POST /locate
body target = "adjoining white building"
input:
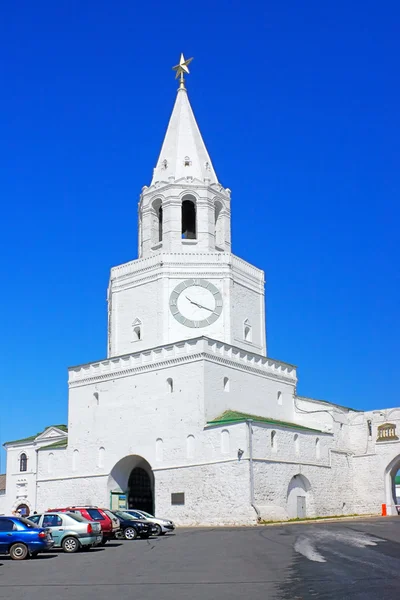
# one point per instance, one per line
(188, 415)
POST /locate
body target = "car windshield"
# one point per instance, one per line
(77, 517)
(123, 515)
(148, 515)
(110, 514)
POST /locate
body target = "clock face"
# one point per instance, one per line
(196, 303)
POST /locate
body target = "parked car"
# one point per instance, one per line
(20, 538)
(131, 528)
(69, 531)
(109, 523)
(161, 526)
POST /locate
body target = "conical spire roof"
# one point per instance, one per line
(183, 153)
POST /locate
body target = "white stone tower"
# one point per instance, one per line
(186, 282)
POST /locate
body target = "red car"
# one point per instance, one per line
(109, 523)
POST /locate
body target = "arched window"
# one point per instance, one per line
(317, 448)
(190, 446)
(273, 440)
(189, 219)
(225, 441)
(102, 452)
(296, 443)
(159, 450)
(75, 460)
(247, 331)
(226, 384)
(23, 462)
(170, 385)
(279, 398)
(96, 398)
(157, 222)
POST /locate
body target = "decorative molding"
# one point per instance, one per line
(201, 348)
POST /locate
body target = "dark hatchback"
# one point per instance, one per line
(20, 538)
(132, 528)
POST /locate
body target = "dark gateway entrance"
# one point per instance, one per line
(140, 494)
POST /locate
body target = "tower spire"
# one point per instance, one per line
(183, 153)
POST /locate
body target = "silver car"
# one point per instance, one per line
(69, 531)
(161, 526)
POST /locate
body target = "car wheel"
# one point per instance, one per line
(104, 541)
(130, 533)
(70, 544)
(18, 551)
(158, 530)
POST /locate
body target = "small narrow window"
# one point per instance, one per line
(187, 162)
(273, 440)
(247, 331)
(317, 448)
(170, 385)
(159, 450)
(96, 398)
(102, 452)
(279, 398)
(23, 462)
(296, 443)
(188, 220)
(226, 384)
(136, 330)
(190, 446)
(75, 460)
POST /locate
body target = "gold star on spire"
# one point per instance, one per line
(181, 69)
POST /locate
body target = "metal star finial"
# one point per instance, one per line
(181, 69)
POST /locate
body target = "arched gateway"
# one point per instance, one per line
(131, 484)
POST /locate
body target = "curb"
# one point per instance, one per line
(327, 520)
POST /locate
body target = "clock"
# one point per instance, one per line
(196, 303)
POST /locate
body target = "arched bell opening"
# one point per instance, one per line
(157, 222)
(189, 218)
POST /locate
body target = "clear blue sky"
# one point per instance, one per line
(298, 103)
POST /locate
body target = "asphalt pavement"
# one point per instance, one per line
(357, 559)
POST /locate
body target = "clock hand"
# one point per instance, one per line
(199, 305)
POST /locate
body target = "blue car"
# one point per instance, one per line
(20, 538)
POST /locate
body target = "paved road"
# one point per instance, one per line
(353, 559)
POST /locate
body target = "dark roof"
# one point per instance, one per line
(59, 444)
(2, 482)
(233, 416)
(33, 437)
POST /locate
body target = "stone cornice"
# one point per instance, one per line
(193, 350)
(220, 263)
